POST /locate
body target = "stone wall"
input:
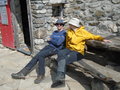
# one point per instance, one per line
(42, 18)
(98, 16)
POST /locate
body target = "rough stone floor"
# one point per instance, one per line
(12, 61)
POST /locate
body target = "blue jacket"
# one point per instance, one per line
(57, 39)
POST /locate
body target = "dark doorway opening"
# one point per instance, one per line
(26, 47)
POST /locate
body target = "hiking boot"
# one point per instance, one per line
(58, 83)
(21, 74)
(39, 79)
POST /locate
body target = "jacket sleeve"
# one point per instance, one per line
(58, 41)
(85, 36)
(90, 36)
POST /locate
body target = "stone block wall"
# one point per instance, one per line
(98, 16)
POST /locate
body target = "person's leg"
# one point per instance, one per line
(22, 73)
(41, 63)
(73, 56)
(59, 79)
(36, 58)
(69, 58)
(61, 59)
(62, 62)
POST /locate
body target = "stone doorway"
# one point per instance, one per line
(22, 26)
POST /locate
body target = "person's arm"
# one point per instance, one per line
(59, 41)
(90, 36)
(86, 36)
(96, 37)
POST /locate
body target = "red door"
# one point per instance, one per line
(6, 28)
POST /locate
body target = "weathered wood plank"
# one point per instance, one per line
(96, 70)
(113, 46)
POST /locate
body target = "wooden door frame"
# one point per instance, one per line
(30, 24)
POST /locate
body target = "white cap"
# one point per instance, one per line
(75, 22)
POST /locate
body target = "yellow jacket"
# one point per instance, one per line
(75, 40)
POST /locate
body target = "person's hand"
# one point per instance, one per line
(48, 39)
(107, 41)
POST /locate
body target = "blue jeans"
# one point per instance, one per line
(40, 59)
(65, 57)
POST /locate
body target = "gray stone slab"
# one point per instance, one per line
(13, 61)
